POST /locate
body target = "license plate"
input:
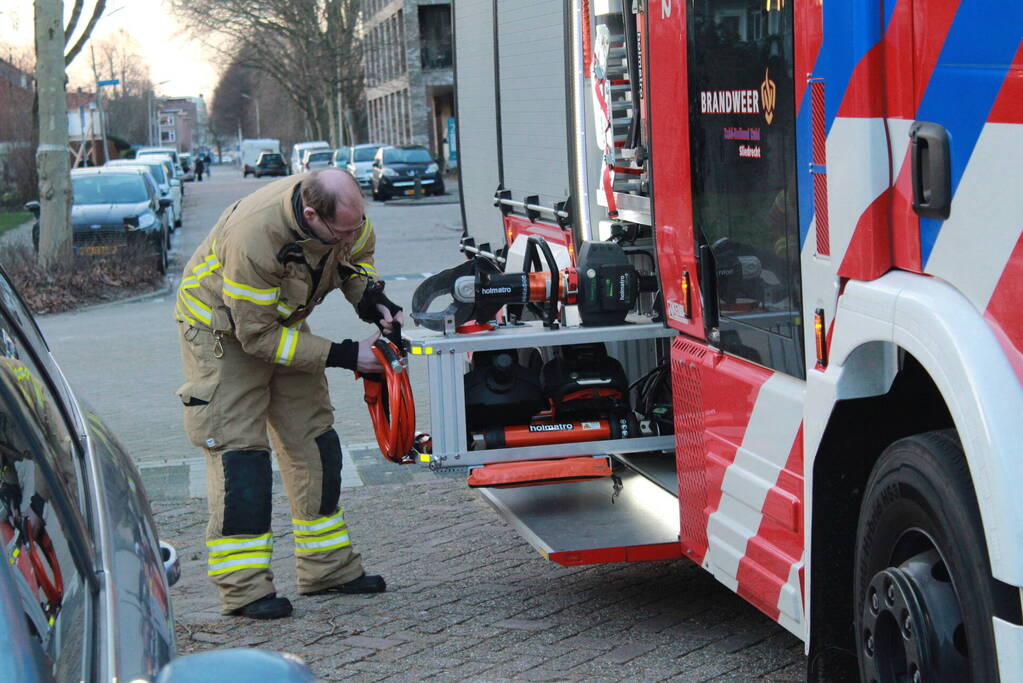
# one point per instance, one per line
(99, 250)
(410, 191)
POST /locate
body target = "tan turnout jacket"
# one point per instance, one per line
(257, 277)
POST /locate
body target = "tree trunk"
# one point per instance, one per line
(52, 153)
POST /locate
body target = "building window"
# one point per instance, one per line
(166, 120)
(168, 135)
(435, 37)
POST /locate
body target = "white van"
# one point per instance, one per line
(298, 154)
(252, 148)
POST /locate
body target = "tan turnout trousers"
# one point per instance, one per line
(232, 400)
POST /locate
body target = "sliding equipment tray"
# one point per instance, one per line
(446, 357)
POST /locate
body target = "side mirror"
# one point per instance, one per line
(33, 207)
(166, 202)
(171, 565)
(243, 665)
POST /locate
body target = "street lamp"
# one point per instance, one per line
(256, 102)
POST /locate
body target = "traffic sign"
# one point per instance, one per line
(112, 81)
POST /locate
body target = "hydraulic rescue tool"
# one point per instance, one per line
(604, 285)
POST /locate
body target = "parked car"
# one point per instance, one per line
(316, 158)
(113, 209)
(397, 170)
(360, 162)
(163, 173)
(340, 157)
(298, 151)
(252, 148)
(85, 585)
(270, 163)
(168, 151)
(187, 165)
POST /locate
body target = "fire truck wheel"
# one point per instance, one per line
(923, 592)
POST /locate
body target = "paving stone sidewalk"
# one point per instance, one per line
(468, 599)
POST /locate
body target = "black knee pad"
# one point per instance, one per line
(247, 483)
(330, 457)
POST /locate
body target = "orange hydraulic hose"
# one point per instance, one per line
(391, 406)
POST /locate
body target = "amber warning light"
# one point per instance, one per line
(820, 335)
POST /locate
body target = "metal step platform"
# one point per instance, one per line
(576, 524)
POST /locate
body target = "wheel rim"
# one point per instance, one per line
(912, 626)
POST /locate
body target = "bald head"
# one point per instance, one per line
(332, 205)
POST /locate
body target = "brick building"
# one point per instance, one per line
(181, 122)
(409, 75)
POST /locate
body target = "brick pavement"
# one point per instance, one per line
(468, 599)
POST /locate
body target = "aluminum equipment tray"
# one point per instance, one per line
(446, 364)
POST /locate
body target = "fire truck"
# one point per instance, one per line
(742, 287)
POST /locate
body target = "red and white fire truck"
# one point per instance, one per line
(813, 211)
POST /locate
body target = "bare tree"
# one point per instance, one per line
(310, 48)
(52, 154)
(52, 163)
(127, 105)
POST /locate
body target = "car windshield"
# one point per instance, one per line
(109, 189)
(320, 156)
(365, 153)
(413, 155)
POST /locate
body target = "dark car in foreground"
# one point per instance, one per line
(405, 171)
(270, 163)
(85, 582)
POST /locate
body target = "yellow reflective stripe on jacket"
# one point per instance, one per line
(367, 268)
(338, 540)
(284, 310)
(182, 316)
(225, 546)
(313, 526)
(361, 242)
(196, 307)
(263, 297)
(206, 267)
(286, 346)
(233, 563)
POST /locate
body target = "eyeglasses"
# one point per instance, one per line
(348, 232)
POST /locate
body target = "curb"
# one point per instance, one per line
(167, 288)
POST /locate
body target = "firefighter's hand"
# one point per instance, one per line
(367, 362)
(387, 320)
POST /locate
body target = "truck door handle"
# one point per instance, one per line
(709, 287)
(932, 172)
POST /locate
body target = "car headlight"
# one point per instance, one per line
(147, 220)
(389, 172)
(432, 168)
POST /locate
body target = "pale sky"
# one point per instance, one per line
(189, 68)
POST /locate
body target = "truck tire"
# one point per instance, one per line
(923, 593)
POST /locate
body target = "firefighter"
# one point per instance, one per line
(252, 365)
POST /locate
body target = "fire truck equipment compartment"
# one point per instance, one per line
(539, 472)
(577, 523)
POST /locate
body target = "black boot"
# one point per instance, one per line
(268, 607)
(367, 583)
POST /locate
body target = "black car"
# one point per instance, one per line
(85, 582)
(114, 209)
(405, 171)
(270, 163)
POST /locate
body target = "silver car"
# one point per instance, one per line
(85, 582)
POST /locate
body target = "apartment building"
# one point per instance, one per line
(409, 73)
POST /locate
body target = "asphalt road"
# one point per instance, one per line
(468, 599)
